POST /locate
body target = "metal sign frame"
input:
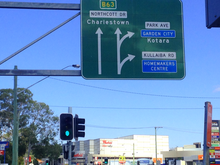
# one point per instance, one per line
(132, 39)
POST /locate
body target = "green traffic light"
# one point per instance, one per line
(67, 133)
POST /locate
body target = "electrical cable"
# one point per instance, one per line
(168, 128)
(137, 93)
(105, 127)
(46, 78)
(127, 108)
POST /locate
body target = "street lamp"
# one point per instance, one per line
(74, 65)
(156, 142)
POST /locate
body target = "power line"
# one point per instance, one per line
(168, 128)
(74, 65)
(181, 130)
(128, 108)
(137, 93)
(105, 127)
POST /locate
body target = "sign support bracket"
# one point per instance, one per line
(50, 6)
(20, 72)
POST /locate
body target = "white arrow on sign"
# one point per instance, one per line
(119, 42)
(99, 33)
(130, 57)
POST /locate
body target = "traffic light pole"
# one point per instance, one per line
(69, 143)
(156, 143)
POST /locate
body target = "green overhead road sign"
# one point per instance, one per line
(132, 39)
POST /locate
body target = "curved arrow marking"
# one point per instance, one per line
(130, 57)
(99, 33)
(129, 34)
(119, 42)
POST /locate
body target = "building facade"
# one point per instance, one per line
(131, 147)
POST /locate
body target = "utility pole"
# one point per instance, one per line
(133, 154)
(69, 143)
(156, 142)
(15, 125)
(207, 132)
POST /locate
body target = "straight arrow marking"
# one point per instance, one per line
(99, 33)
(118, 32)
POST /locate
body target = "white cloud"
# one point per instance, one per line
(217, 89)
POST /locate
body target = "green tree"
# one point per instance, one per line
(47, 148)
(42, 125)
(35, 162)
(24, 101)
(36, 120)
(24, 104)
(54, 151)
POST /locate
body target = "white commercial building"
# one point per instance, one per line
(132, 147)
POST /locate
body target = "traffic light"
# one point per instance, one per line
(47, 162)
(105, 161)
(73, 151)
(65, 151)
(79, 127)
(66, 126)
(212, 13)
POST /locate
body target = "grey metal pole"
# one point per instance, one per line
(70, 110)
(133, 154)
(15, 125)
(48, 6)
(69, 143)
(205, 147)
(38, 39)
(205, 137)
(70, 154)
(156, 143)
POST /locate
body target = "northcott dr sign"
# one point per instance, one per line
(128, 39)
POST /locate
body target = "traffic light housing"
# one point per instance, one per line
(79, 127)
(47, 162)
(212, 13)
(65, 151)
(73, 150)
(66, 126)
(105, 161)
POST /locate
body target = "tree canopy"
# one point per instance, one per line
(38, 126)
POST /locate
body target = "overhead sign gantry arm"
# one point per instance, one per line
(49, 6)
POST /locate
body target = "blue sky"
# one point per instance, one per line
(175, 105)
